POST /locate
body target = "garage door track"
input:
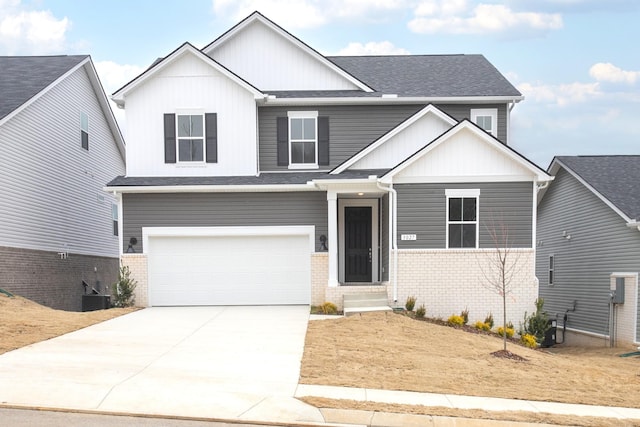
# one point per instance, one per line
(214, 362)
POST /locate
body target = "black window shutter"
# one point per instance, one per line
(283, 141)
(211, 127)
(323, 140)
(169, 138)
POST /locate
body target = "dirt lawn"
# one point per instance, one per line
(24, 322)
(394, 352)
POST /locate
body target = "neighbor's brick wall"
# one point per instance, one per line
(43, 277)
(448, 281)
(137, 264)
(319, 277)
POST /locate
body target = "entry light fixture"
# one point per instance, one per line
(566, 235)
(360, 194)
(323, 242)
(132, 242)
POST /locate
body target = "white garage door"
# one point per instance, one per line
(229, 270)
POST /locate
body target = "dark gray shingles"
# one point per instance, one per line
(617, 178)
(22, 77)
(280, 178)
(428, 75)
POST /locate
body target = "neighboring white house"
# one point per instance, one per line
(262, 172)
(59, 145)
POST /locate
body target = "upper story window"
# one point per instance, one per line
(190, 137)
(303, 138)
(487, 119)
(552, 261)
(84, 131)
(462, 218)
(114, 218)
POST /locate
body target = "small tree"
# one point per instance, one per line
(123, 289)
(537, 324)
(499, 272)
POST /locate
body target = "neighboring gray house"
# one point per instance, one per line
(59, 144)
(589, 245)
(261, 172)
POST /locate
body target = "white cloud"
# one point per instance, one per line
(372, 48)
(113, 76)
(561, 95)
(30, 31)
(293, 14)
(607, 72)
(458, 17)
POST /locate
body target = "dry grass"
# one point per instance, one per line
(24, 322)
(394, 352)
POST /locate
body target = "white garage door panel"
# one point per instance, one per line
(229, 270)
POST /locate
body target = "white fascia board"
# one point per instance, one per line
(461, 179)
(37, 96)
(402, 126)
(273, 100)
(106, 107)
(119, 96)
(256, 16)
(556, 164)
(211, 188)
(537, 174)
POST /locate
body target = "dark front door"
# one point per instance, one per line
(357, 244)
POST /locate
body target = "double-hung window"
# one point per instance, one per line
(303, 138)
(487, 119)
(114, 218)
(462, 218)
(552, 261)
(190, 137)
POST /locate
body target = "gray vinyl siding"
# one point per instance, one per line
(51, 188)
(422, 211)
(463, 111)
(351, 128)
(222, 210)
(600, 244)
(384, 235)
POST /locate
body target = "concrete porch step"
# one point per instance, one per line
(364, 302)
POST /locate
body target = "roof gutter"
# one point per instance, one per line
(272, 188)
(273, 100)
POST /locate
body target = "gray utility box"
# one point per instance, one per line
(618, 294)
(95, 302)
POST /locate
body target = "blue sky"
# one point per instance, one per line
(577, 62)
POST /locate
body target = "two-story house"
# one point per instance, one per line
(59, 144)
(262, 172)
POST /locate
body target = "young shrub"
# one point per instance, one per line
(421, 311)
(410, 304)
(489, 320)
(328, 308)
(465, 315)
(123, 289)
(479, 325)
(537, 323)
(509, 331)
(529, 341)
(455, 320)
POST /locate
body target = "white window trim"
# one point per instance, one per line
(115, 218)
(302, 115)
(84, 115)
(187, 112)
(482, 112)
(462, 193)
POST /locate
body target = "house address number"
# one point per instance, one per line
(407, 237)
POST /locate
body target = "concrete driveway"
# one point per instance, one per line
(216, 362)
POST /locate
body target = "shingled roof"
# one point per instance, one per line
(22, 77)
(616, 178)
(428, 75)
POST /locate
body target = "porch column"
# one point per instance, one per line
(332, 216)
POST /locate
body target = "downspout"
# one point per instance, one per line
(393, 195)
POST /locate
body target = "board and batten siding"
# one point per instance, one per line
(422, 211)
(223, 210)
(51, 188)
(352, 128)
(191, 86)
(271, 62)
(600, 244)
